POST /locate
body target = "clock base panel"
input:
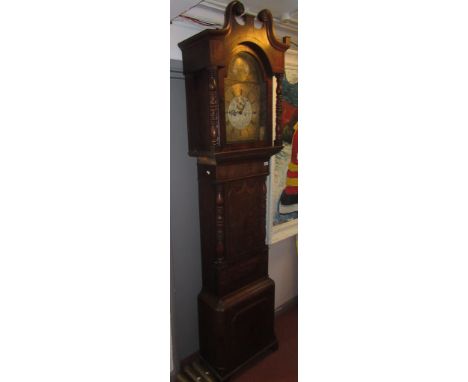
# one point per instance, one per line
(237, 328)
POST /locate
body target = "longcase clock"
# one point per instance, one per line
(229, 75)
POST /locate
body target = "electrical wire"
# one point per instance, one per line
(183, 12)
(198, 21)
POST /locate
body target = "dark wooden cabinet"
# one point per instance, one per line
(229, 87)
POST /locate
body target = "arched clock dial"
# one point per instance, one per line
(244, 100)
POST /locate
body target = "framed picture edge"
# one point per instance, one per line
(276, 233)
(283, 231)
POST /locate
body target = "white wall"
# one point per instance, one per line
(180, 32)
(186, 281)
(283, 270)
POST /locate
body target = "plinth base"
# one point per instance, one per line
(236, 329)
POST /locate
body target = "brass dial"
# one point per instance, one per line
(244, 100)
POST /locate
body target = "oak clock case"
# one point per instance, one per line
(228, 76)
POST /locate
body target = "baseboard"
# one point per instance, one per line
(287, 306)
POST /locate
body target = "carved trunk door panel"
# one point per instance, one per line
(245, 216)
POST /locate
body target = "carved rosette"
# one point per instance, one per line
(219, 223)
(279, 109)
(213, 104)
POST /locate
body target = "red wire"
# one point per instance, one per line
(205, 23)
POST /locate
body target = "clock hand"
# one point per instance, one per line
(241, 111)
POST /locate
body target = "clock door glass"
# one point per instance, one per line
(244, 97)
